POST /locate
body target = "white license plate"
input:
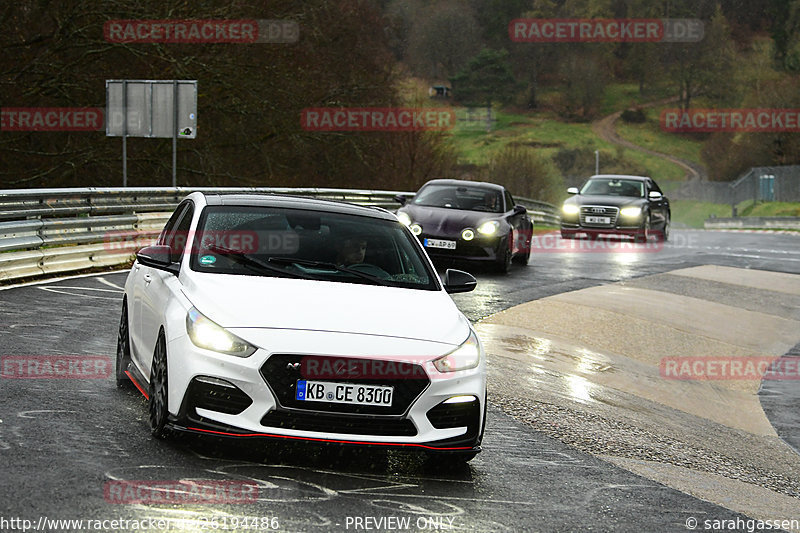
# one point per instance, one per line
(350, 393)
(438, 243)
(598, 220)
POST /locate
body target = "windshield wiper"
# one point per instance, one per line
(252, 263)
(332, 266)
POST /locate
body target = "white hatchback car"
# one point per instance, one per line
(276, 316)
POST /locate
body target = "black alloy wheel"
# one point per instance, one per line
(504, 259)
(158, 389)
(123, 348)
(664, 234)
(645, 234)
(524, 257)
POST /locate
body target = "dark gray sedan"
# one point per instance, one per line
(469, 220)
(617, 205)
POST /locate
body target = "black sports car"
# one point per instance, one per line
(618, 205)
(469, 220)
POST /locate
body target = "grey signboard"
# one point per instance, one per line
(154, 108)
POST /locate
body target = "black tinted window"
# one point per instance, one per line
(312, 244)
(460, 197)
(176, 231)
(614, 187)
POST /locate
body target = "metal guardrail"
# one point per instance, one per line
(753, 222)
(45, 231)
(541, 212)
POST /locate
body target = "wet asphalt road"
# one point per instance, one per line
(63, 441)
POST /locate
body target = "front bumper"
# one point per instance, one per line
(254, 398)
(633, 228)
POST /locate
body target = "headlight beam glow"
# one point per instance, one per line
(205, 333)
(489, 227)
(466, 356)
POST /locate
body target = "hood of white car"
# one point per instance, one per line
(267, 302)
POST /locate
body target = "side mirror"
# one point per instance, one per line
(400, 198)
(572, 190)
(458, 281)
(655, 195)
(158, 256)
(520, 209)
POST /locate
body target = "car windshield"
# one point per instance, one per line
(614, 187)
(272, 241)
(460, 197)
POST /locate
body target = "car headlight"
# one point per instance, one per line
(467, 234)
(207, 334)
(466, 356)
(489, 227)
(416, 229)
(570, 209)
(404, 218)
(630, 212)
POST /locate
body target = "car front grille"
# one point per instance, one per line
(339, 423)
(599, 211)
(282, 371)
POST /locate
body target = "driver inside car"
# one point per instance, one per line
(490, 201)
(351, 251)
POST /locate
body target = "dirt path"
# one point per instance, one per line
(604, 128)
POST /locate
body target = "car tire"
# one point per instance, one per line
(664, 233)
(645, 234)
(504, 261)
(159, 387)
(123, 348)
(524, 257)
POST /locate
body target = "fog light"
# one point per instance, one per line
(460, 399)
(416, 229)
(467, 234)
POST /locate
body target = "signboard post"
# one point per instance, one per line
(151, 108)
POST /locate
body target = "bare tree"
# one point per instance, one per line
(444, 37)
(250, 95)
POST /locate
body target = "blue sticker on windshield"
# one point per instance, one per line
(208, 260)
